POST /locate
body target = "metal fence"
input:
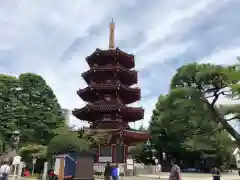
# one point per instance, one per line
(127, 169)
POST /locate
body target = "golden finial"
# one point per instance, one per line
(111, 35)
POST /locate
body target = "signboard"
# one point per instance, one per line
(236, 154)
(16, 160)
(130, 163)
(105, 158)
(57, 166)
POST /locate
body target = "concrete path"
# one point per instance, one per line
(189, 176)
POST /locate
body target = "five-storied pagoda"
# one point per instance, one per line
(108, 93)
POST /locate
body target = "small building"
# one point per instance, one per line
(75, 165)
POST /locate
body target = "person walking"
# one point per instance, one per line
(175, 171)
(107, 171)
(159, 170)
(115, 172)
(4, 170)
(216, 173)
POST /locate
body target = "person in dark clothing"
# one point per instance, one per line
(175, 171)
(216, 173)
(107, 171)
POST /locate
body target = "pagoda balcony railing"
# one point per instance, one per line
(112, 120)
(110, 84)
(111, 67)
(97, 66)
(110, 53)
(130, 109)
(109, 105)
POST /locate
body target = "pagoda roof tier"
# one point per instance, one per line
(108, 56)
(93, 113)
(128, 136)
(126, 76)
(127, 94)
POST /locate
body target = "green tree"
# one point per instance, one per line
(32, 151)
(180, 126)
(9, 105)
(204, 84)
(67, 142)
(28, 104)
(44, 113)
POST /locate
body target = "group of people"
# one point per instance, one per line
(175, 172)
(5, 170)
(111, 171)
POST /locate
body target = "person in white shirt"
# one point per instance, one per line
(159, 169)
(4, 170)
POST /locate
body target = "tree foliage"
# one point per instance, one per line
(32, 151)
(204, 84)
(28, 104)
(188, 120)
(179, 125)
(67, 142)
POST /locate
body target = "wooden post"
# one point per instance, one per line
(61, 169)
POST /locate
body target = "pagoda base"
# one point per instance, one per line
(113, 153)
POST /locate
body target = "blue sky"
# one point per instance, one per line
(52, 38)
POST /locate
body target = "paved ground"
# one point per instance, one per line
(185, 176)
(164, 176)
(188, 176)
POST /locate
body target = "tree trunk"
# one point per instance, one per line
(220, 119)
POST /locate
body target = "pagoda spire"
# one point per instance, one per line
(111, 35)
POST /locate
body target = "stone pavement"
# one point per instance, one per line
(186, 176)
(164, 176)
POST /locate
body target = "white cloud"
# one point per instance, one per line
(162, 55)
(39, 32)
(178, 21)
(224, 56)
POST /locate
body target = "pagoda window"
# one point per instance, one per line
(105, 150)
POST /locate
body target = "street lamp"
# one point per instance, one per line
(15, 139)
(163, 155)
(154, 155)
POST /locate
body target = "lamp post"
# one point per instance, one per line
(15, 139)
(154, 155)
(163, 155)
(148, 149)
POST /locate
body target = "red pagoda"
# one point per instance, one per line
(108, 94)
